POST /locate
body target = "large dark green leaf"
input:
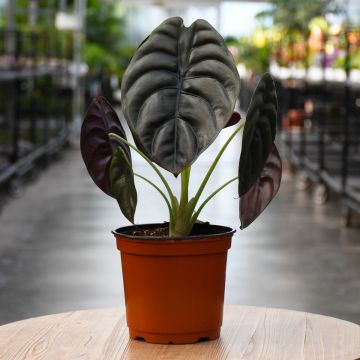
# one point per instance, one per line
(254, 202)
(122, 184)
(96, 147)
(259, 133)
(179, 91)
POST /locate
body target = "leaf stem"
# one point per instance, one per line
(171, 195)
(213, 165)
(185, 177)
(159, 190)
(197, 213)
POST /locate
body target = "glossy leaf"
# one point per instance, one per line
(96, 147)
(253, 203)
(179, 91)
(122, 184)
(259, 133)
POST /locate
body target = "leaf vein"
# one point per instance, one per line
(206, 103)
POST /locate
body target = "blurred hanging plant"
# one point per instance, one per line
(295, 15)
(292, 18)
(252, 51)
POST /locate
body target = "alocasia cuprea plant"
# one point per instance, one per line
(178, 93)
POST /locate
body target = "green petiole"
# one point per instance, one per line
(198, 211)
(159, 190)
(213, 165)
(171, 195)
(182, 214)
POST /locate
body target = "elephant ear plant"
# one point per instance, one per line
(178, 93)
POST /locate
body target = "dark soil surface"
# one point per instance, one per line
(162, 230)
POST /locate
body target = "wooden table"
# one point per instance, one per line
(247, 333)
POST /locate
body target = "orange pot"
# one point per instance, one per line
(174, 287)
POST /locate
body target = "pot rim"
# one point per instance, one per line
(224, 231)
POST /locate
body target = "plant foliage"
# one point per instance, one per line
(178, 93)
(259, 133)
(97, 148)
(266, 186)
(122, 183)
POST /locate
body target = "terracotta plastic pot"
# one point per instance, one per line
(174, 287)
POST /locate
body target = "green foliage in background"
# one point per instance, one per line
(44, 19)
(254, 55)
(294, 16)
(282, 29)
(339, 63)
(56, 44)
(294, 19)
(104, 49)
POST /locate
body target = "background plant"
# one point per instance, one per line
(105, 50)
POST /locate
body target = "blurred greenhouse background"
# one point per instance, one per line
(57, 55)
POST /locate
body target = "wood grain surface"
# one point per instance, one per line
(247, 333)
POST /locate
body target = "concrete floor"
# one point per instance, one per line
(57, 253)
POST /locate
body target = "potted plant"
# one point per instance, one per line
(178, 93)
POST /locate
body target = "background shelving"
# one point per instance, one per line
(38, 85)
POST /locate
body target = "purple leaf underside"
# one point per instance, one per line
(254, 202)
